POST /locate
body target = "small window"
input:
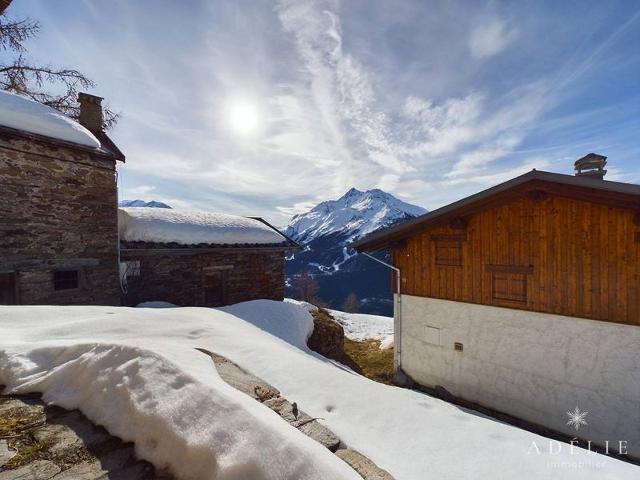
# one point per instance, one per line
(65, 279)
(449, 249)
(509, 284)
(510, 287)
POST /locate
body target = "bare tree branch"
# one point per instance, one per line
(39, 82)
(14, 33)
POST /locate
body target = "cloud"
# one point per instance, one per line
(382, 95)
(142, 189)
(490, 37)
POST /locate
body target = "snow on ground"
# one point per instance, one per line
(28, 115)
(136, 372)
(165, 225)
(360, 326)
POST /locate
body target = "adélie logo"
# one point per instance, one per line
(577, 418)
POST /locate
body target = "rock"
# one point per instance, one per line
(328, 335)
(240, 379)
(303, 422)
(71, 431)
(57, 444)
(38, 470)
(361, 464)
(5, 453)
(83, 471)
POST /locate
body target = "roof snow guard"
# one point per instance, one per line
(535, 183)
(144, 228)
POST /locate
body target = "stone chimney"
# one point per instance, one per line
(91, 112)
(591, 165)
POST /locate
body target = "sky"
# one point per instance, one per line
(257, 107)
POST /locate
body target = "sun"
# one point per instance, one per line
(242, 117)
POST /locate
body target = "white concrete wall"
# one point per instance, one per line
(531, 365)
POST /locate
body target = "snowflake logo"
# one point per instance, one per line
(576, 418)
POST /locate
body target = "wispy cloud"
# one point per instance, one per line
(490, 36)
(428, 102)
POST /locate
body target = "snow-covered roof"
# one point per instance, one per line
(163, 225)
(30, 116)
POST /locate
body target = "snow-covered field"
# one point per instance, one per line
(136, 371)
(360, 326)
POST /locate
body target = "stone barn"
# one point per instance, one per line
(198, 258)
(58, 197)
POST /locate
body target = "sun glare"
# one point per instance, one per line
(243, 117)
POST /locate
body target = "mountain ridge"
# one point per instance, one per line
(357, 212)
(326, 231)
(142, 203)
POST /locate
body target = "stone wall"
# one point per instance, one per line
(534, 366)
(182, 278)
(59, 212)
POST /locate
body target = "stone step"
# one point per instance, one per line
(240, 379)
(303, 422)
(257, 388)
(361, 464)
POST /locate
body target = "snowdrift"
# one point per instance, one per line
(28, 115)
(163, 225)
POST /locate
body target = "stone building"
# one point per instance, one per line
(199, 259)
(58, 196)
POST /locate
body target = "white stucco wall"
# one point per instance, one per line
(531, 365)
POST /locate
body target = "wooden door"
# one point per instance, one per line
(7, 289)
(215, 288)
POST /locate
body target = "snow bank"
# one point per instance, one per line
(162, 225)
(136, 371)
(25, 114)
(360, 326)
(284, 320)
(306, 305)
(168, 398)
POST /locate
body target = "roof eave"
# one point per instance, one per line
(114, 154)
(385, 238)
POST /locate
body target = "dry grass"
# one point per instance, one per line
(26, 452)
(364, 357)
(18, 419)
(374, 363)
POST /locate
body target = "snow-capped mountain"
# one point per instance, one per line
(142, 203)
(356, 213)
(325, 232)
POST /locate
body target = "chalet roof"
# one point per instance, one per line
(625, 195)
(151, 228)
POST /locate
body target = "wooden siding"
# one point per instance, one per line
(571, 257)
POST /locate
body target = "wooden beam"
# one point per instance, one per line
(526, 269)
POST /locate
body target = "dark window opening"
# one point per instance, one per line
(215, 285)
(7, 289)
(65, 279)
